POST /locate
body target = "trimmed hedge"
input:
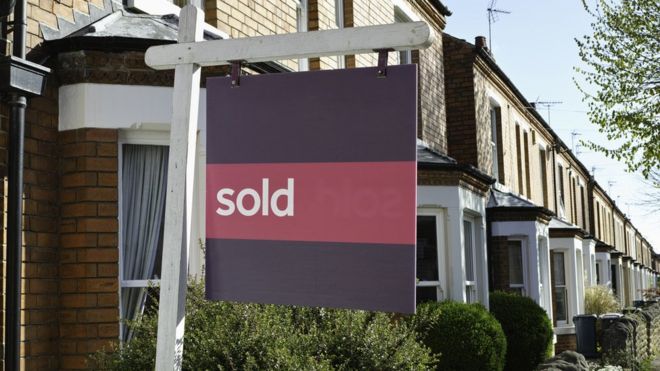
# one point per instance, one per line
(527, 328)
(465, 336)
(233, 336)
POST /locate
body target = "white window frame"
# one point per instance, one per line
(339, 22)
(471, 288)
(302, 21)
(439, 215)
(402, 16)
(566, 286)
(524, 268)
(146, 137)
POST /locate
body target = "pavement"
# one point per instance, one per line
(655, 365)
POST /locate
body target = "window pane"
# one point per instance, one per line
(558, 269)
(515, 263)
(425, 294)
(561, 311)
(427, 248)
(470, 294)
(469, 251)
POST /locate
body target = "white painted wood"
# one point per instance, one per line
(358, 40)
(143, 108)
(183, 138)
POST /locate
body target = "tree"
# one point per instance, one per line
(622, 60)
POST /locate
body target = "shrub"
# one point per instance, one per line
(233, 336)
(527, 328)
(599, 300)
(465, 336)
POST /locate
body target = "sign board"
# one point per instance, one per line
(311, 189)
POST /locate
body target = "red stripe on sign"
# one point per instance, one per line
(357, 202)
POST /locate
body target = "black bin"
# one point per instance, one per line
(585, 334)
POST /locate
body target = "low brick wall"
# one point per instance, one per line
(565, 342)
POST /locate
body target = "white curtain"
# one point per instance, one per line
(144, 176)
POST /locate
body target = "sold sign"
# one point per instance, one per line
(311, 182)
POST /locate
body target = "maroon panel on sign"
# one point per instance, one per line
(340, 202)
(320, 116)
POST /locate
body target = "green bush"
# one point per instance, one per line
(527, 328)
(600, 300)
(232, 336)
(464, 336)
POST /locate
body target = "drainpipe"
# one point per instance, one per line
(18, 103)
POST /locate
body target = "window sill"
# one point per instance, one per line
(565, 330)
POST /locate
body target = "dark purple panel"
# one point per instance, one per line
(341, 275)
(321, 116)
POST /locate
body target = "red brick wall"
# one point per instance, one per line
(498, 261)
(89, 255)
(40, 237)
(565, 342)
(460, 100)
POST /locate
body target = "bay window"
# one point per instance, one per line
(469, 261)
(142, 190)
(429, 233)
(516, 267)
(559, 288)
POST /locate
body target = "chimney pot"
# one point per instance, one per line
(480, 42)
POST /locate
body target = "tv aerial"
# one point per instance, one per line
(493, 16)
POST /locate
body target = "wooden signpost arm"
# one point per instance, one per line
(358, 40)
(183, 141)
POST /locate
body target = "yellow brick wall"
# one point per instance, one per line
(244, 18)
(369, 13)
(47, 11)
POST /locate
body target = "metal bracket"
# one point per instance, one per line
(383, 54)
(236, 73)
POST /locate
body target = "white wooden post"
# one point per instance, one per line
(180, 175)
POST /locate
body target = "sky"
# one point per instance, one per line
(535, 47)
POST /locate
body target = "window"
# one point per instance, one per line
(339, 22)
(470, 263)
(428, 283)
(574, 197)
(301, 25)
(519, 160)
(560, 173)
(143, 189)
(494, 119)
(582, 206)
(544, 176)
(598, 225)
(559, 289)
(405, 56)
(516, 267)
(598, 265)
(528, 182)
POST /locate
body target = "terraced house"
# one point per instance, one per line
(502, 203)
(551, 229)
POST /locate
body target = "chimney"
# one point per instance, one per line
(480, 42)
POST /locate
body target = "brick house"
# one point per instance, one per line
(105, 117)
(97, 139)
(551, 229)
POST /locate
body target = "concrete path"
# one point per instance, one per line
(655, 365)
